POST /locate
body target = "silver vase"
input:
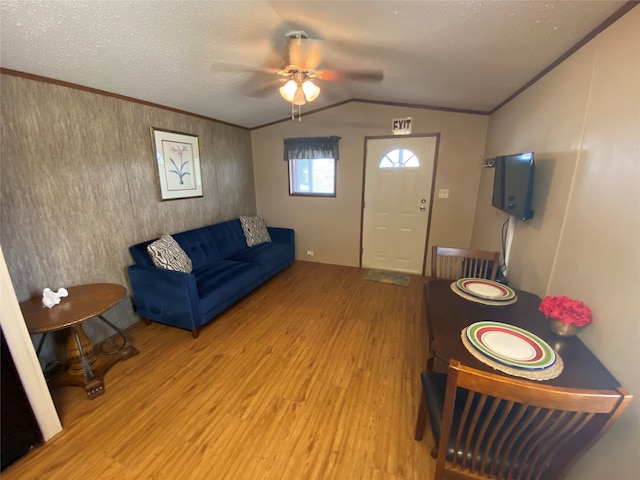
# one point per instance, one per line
(562, 329)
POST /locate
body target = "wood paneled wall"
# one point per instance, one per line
(79, 185)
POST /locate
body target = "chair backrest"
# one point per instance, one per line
(501, 427)
(454, 263)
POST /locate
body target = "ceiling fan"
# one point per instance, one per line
(305, 55)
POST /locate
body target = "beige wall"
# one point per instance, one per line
(79, 185)
(583, 122)
(331, 226)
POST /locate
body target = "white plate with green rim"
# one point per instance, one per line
(487, 289)
(511, 345)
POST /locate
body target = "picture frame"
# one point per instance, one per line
(177, 157)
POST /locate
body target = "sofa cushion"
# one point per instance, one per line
(200, 245)
(229, 237)
(255, 230)
(166, 253)
(268, 256)
(224, 279)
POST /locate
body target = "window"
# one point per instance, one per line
(399, 158)
(314, 176)
(312, 165)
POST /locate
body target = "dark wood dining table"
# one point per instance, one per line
(448, 314)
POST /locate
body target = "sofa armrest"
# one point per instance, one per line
(166, 296)
(282, 235)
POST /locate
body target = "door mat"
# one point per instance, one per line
(384, 276)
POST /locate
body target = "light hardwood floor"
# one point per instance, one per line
(315, 375)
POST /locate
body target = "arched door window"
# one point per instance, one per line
(399, 158)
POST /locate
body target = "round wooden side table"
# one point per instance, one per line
(86, 364)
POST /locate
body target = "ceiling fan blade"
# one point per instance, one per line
(238, 67)
(305, 53)
(264, 90)
(361, 75)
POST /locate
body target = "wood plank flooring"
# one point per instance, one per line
(315, 375)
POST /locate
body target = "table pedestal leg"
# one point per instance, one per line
(87, 364)
(80, 354)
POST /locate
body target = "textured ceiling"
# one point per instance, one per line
(193, 55)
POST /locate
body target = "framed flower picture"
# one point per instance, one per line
(178, 159)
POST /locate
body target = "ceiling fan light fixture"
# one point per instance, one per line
(299, 98)
(311, 90)
(288, 90)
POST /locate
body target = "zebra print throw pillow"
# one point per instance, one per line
(166, 253)
(255, 230)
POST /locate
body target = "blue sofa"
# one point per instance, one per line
(225, 269)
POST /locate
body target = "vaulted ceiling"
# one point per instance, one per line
(212, 58)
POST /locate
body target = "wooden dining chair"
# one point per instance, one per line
(487, 425)
(454, 263)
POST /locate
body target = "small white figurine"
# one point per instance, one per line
(51, 298)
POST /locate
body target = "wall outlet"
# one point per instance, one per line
(443, 193)
(310, 253)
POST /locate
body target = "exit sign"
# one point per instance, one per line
(401, 126)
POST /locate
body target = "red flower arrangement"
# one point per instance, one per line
(567, 310)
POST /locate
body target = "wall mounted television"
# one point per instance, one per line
(513, 185)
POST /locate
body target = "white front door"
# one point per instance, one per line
(397, 196)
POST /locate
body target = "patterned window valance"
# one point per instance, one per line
(310, 148)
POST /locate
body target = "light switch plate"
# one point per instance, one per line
(443, 193)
